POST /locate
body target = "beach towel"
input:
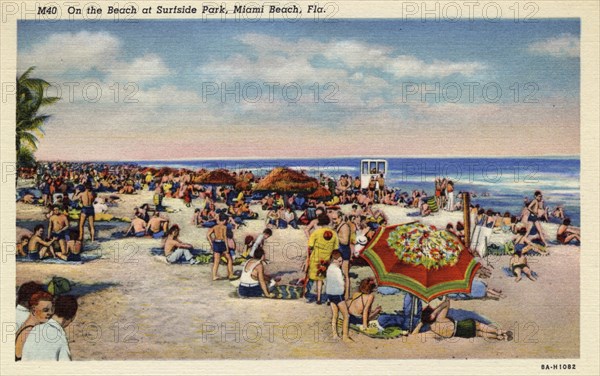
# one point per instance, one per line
(84, 258)
(481, 237)
(287, 292)
(508, 272)
(374, 332)
(432, 204)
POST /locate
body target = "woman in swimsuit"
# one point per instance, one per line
(523, 244)
(254, 282)
(359, 307)
(445, 327)
(566, 234)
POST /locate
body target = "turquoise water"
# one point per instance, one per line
(498, 183)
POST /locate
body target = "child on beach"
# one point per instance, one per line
(335, 288)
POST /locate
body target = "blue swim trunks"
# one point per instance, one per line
(335, 299)
(157, 235)
(219, 246)
(88, 210)
(345, 251)
(60, 235)
(140, 234)
(33, 255)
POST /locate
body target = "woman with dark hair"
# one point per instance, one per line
(359, 307)
(566, 234)
(254, 282)
(445, 327)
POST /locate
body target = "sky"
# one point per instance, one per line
(187, 89)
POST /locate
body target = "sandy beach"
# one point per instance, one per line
(135, 306)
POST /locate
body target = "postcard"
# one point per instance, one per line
(243, 187)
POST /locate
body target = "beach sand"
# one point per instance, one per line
(135, 306)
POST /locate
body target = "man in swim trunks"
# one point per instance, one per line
(157, 226)
(58, 226)
(138, 226)
(344, 232)
(217, 237)
(87, 211)
(37, 247)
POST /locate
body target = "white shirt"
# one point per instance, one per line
(334, 281)
(258, 242)
(21, 315)
(46, 342)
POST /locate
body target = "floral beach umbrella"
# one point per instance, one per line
(421, 259)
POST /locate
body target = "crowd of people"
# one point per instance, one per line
(332, 233)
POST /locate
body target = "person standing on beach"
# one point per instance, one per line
(344, 233)
(87, 211)
(536, 211)
(58, 226)
(217, 237)
(321, 244)
(381, 184)
(335, 294)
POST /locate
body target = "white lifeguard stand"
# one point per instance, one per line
(371, 167)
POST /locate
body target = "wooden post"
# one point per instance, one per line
(467, 218)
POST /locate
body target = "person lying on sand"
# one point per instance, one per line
(444, 327)
(518, 264)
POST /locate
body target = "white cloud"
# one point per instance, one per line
(565, 45)
(84, 51)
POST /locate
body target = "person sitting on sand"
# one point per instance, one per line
(22, 246)
(74, 248)
(253, 281)
(518, 264)
(558, 212)
(359, 307)
(272, 217)
(566, 233)
(259, 242)
(58, 227)
(38, 248)
(157, 226)
(444, 327)
(335, 289)
(217, 237)
(175, 249)
(524, 245)
(137, 227)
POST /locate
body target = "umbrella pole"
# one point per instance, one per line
(412, 313)
(467, 218)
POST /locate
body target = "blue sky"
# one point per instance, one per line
(371, 62)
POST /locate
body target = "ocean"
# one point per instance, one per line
(500, 184)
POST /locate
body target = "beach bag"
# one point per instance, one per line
(58, 286)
